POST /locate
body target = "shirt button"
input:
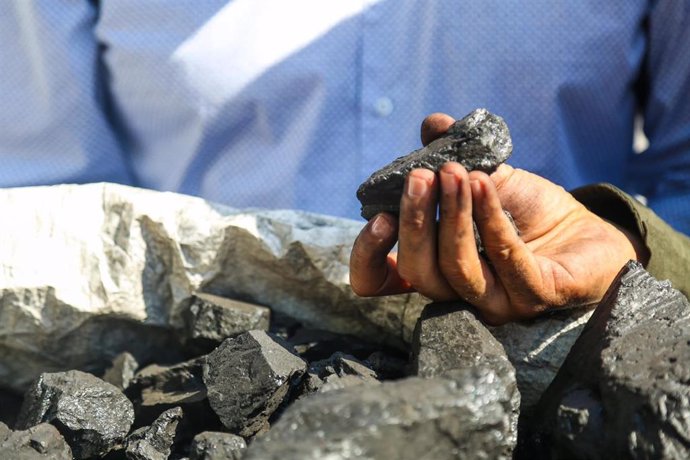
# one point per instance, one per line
(383, 106)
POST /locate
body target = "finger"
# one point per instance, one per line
(435, 126)
(417, 260)
(459, 261)
(515, 265)
(372, 269)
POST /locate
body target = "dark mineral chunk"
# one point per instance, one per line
(217, 446)
(122, 371)
(40, 441)
(154, 442)
(92, 415)
(248, 377)
(480, 141)
(212, 319)
(466, 413)
(156, 389)
(449, 336)
(623, 390)
(338, 371)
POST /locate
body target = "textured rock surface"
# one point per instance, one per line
(119, 265)
(212, 318)
(449, 336)
(40, 441)
(156, 389)
(248, 377)
(338, 371)
(480, 141)
(154, 442)
(538, 347)
(211, 445)
(623, 391)
(467, 414)
(92, 415)
(121, 373)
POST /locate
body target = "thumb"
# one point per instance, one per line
(435, 126)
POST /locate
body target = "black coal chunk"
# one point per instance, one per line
(338, 371)
(623, 390)
(211, 445)
(466, 413)
(211, 319)
(480, 141)
(40, 441)
(154, 442)
(248, 377)
(93, 416)
(450, 336)
(156, 389)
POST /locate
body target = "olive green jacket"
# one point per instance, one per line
(669, 250)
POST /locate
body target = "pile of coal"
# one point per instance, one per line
(289, 393)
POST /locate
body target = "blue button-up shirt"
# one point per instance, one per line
(292, 103)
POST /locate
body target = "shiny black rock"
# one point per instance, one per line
(480, 141)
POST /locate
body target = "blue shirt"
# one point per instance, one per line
(291, 104)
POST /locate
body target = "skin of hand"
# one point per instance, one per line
(564, 255)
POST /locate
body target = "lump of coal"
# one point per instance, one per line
(449, 336)
(211, 445)
(338, 371)
(480, 141)
(122, 371)
(154, 442)
(40, 441)
(92, 415)
(212, 319)
(623, 390)
(248, 377)
(156, 389)
(467, 413)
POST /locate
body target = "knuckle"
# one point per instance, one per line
(412, 220)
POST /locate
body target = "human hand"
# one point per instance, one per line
(564, 256)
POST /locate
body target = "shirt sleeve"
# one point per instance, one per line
(662, 172)
(669, 249)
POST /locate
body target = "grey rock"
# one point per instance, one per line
(121, 373)
(213, 319)
(623, 390)
(4, 431)
(92, 415)
(467, 413)
(37, 442)
(154, 442)
(211, 445)
(450, 336)
(480, 141)
(248, 377)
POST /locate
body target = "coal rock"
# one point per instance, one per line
(92, 415)
(211, 445)
(248, 377)
(122, 371)
(10, 404)
(466, 413)
(211, 319)
(480, 141)
(623, 390)
(388, 366)
(450, 336)
(37, 442)
(154, 442)
(338, 371)
(156, 389)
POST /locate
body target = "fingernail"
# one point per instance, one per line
(449, 183)
(416, 187)
(380, 227)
